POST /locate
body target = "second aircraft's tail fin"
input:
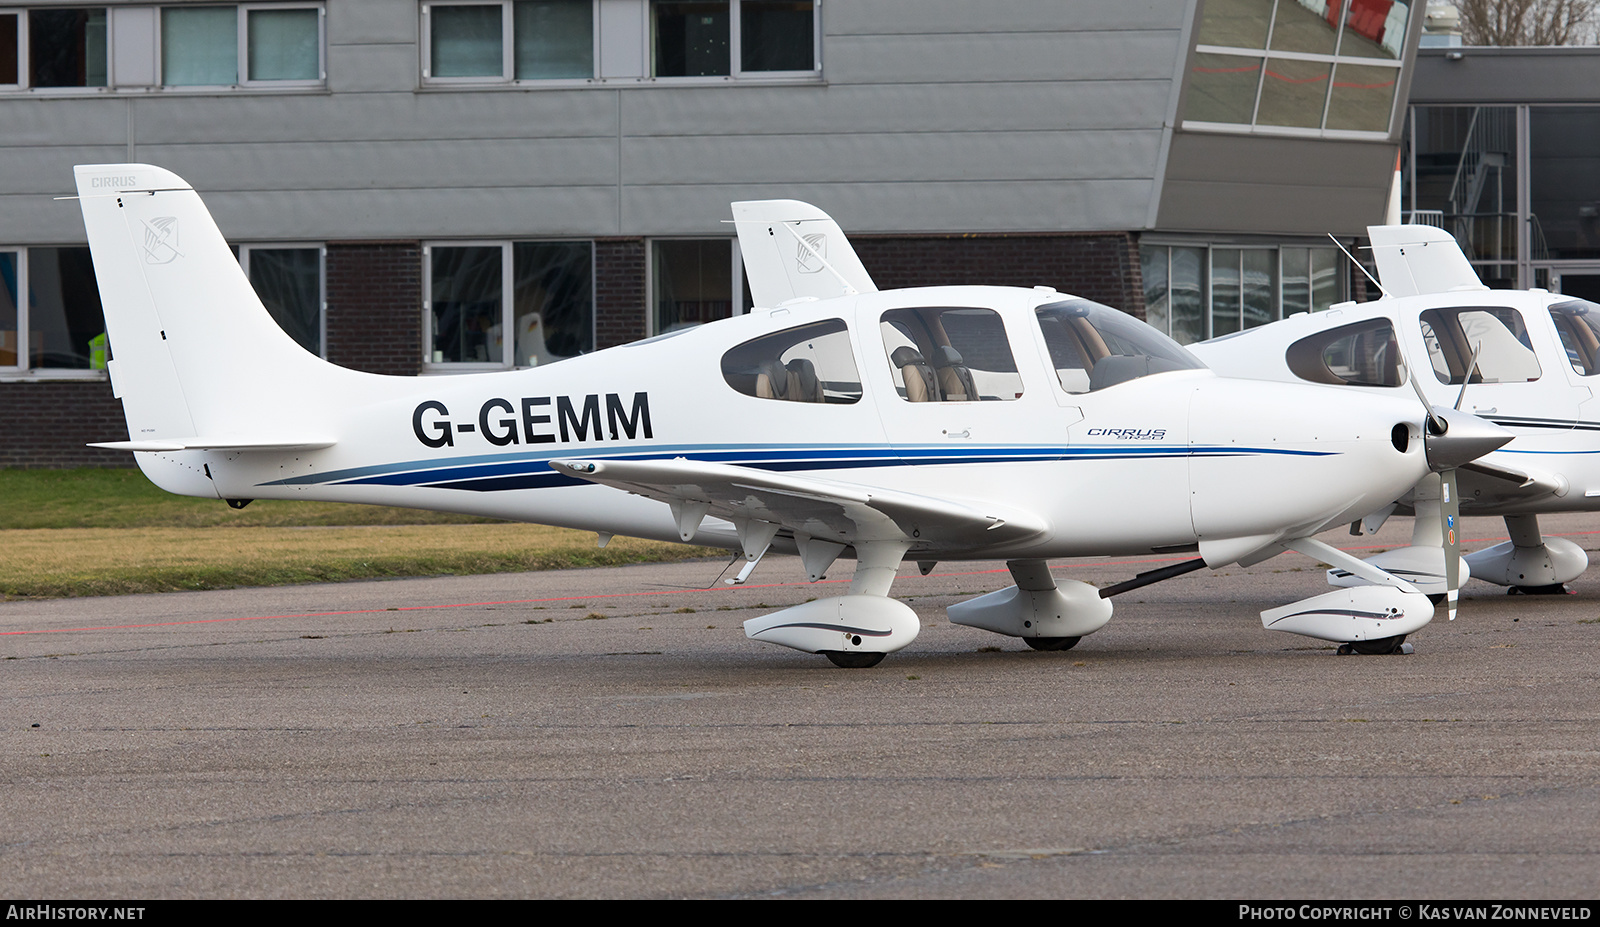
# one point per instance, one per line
(1417, 259)
(793, 249)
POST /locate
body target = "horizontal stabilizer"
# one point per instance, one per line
(1417, 259)
(218, 444)
(822, 509)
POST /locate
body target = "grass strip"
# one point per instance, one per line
(104, 498)
(118, 561)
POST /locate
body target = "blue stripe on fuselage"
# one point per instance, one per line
(499, 472)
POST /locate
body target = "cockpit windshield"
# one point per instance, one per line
(1094, 346)
(1578, 324)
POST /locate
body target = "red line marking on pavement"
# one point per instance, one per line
(622, 595)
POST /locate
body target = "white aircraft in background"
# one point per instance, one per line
(1527, 360)
(933, 424)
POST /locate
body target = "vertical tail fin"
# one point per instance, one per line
(794, 249)
(195, 354)
(1417, 259)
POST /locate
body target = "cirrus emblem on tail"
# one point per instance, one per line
(161, 240)
(811, 253)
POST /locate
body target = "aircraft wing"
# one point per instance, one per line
(845, 513)
(1494, 480)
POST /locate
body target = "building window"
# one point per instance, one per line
(291, 281)
(50, 315)
(1298, 66)
(692, 281)
(733, 38)
(509, 41)
(66, 47)
(550, 312)
(210, 46)
(1197, 292)
(517, 41)
(10, 49)
(262, 45)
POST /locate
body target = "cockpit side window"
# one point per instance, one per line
(811, 363)
(949, 355)
(1093, 346)
(1578, 324)
(1363, 354)
(1496, 333)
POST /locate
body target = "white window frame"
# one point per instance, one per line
(242, 50)
(736, 70)
(24, 65)
(508, 49)
(244, 46)
(22, 48)
(642, 42)
(1207, 283)
(21, 371)
(322, 278)
(508, 279)
(736, 281)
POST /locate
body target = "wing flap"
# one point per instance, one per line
(816, 507)
(1503, 482)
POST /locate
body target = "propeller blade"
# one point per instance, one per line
(1436, 425)
(1476, 350)
(1450, 528)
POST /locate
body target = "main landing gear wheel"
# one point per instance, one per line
(1373, 648)
(1052, 643)
(853, 659)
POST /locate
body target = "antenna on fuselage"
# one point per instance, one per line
(1341, 247)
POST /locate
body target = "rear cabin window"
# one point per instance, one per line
(811, 363)
(950, 355)
(1578, 324)
(1363, 354)
(1496, 333)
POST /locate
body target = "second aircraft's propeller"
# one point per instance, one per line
(1451, 438)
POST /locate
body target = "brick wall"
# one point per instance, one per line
(48, 424)
(619, 288)
(375, 306)
(1102, 267)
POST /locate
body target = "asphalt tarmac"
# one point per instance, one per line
(612, 733)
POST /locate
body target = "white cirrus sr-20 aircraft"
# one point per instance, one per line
(929, 424)
(1527, 360)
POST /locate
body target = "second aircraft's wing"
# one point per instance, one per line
(844, 513)
(1494, 479)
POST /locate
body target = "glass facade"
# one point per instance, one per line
(550, 314)
(289, 282)
(1297, 66)
(692, 281)
(1195, 291)
(1518, 187)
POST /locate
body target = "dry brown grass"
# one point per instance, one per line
(114, 561)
